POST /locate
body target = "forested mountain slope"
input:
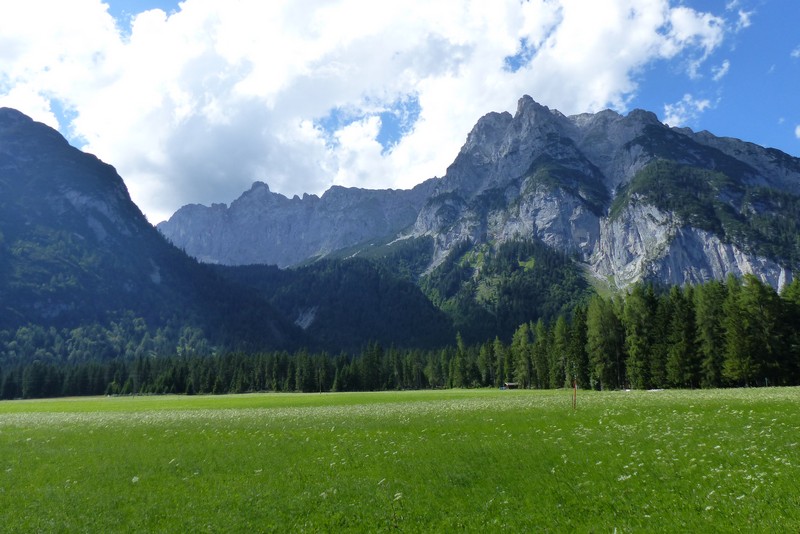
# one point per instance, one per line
(76, 251)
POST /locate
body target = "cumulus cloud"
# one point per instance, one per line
(797, 131)
(194, 105)
(796, 52)
(685, 110)
(701, 31)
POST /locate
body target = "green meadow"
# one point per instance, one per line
(640, 461)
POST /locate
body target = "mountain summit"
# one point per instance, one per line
(625, 195)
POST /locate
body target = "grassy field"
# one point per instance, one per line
(671, 461)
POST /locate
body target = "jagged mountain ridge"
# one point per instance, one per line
(555, 178)
(286, 231)
(84, 275)
(568, 181)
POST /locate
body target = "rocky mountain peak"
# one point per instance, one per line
(487, 132)
(592, 185)
(536, 114)
(259, 186)
(644, 117)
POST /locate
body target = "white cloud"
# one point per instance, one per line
(796, 52)
(797, 131)
(744, 20)
(195, 105)
(701, 32)
(685, 110)
(719, 72)
(27, 98)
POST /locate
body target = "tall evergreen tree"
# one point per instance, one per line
(738, 366)
(638, 318)
(660, 347)
(603, 343)
(791, 318)
(682, 363)
(540, 355)
(559, 353)
(486, 368)
(521, 354)
(370, 363)
(762, 310)
(458, 365)
(709, 301)
(504, 367)
(578, 367)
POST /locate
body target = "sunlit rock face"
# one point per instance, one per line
(269, 228)
(578, 183)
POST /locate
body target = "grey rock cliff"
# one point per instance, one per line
(535, 174)
(554, 178)
(269, 228)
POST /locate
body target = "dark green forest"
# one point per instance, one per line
(489, 292)
(719, 334)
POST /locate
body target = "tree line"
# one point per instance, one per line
(739, 332)
(718, 334)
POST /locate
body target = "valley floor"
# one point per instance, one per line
(702, 460)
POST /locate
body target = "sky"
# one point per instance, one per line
(193, 101)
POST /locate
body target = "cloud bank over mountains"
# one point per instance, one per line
(194, 105)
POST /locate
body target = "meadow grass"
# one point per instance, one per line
(670, 461)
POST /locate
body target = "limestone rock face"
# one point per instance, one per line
(269, 228)
(534, 174)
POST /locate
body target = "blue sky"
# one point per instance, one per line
(193, 101)
(758, 99)
(124, 10)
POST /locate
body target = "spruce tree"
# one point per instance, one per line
(603, 343)
(559, 354)
(709, 299)
(521, 354)
(540, 355)
(578, 367)
(637, 319)
(682, 363)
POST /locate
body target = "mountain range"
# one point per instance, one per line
(537, 212)
(626, 197)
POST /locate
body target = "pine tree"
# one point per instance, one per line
(660, 348)
(458, 365)
(521, 355)
(682, 365)
(709, 300)
(737, 367)
(504, 367)
(540, 355)
(791, 318)
(763, 317)
(603, 343)
(637, 319)
(559, 354)
(486, 364)
(578, 367)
